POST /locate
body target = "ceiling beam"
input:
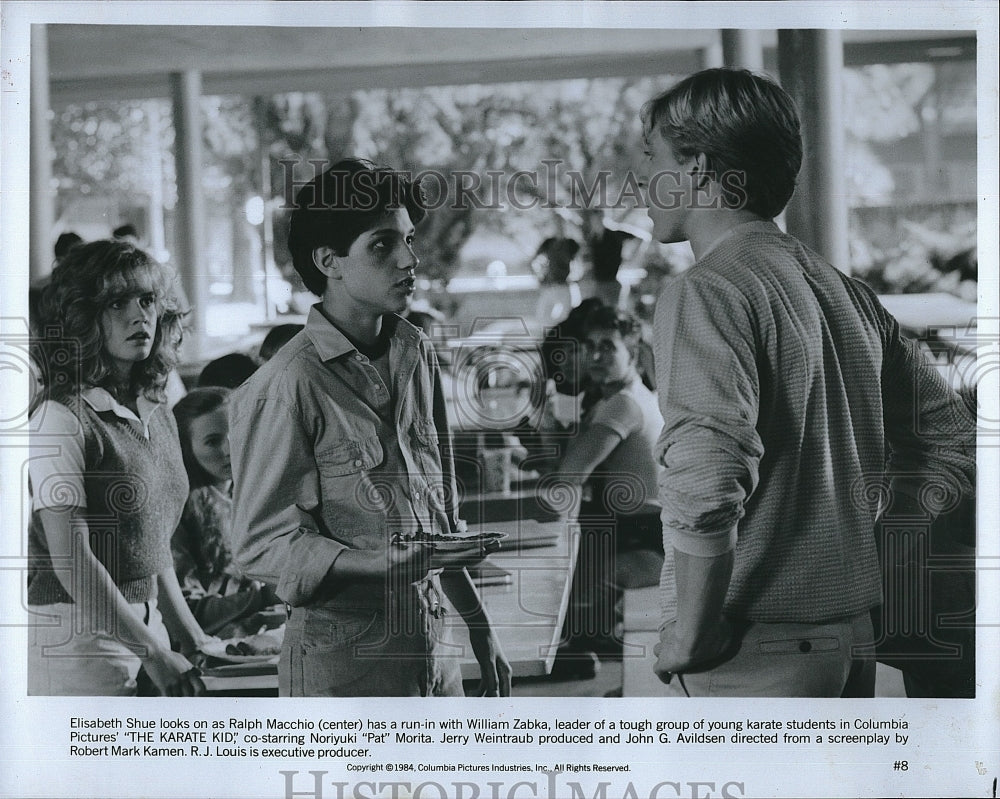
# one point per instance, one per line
(338, 80)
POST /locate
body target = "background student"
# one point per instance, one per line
(610, 463)
(224, 602)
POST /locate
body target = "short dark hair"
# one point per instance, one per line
(66, 242)
(559, 348)
(276, 338)
(126, 231)
(336, 207)
(624, 322)
(229, 371)
(743, 123)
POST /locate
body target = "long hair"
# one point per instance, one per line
(69, 345)
(197, 402)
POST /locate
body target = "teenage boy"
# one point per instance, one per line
(339, 442)
(788, 395)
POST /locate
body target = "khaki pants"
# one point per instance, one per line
(833, 659)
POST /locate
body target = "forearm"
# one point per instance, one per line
(294, 557)
(177, 616)
(930, 429)
(90, 585)
(464, 597)
(493, 665)
(355, 565)
(702, 583)
(700, 637)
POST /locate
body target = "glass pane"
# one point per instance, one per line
(911, 166)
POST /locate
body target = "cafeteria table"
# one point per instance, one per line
(527, 610)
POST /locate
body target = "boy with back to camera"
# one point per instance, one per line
(788, 394)
(339, 442)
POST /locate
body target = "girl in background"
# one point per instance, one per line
(108, 483)
(223, 603)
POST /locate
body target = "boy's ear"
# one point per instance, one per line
(699, 170)
(326, 261)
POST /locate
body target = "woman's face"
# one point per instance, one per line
(129, 325)
(210, 443)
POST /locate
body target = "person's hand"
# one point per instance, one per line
(267, 596)
(674, 656)
(408, 561)
(193, 648)
(173, 674)
(204, 639)
(493, 665)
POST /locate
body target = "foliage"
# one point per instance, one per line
(574, 135)
(101, 149)
(923, 241)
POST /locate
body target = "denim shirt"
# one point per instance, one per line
(326, 457)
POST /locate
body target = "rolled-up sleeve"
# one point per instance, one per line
(620, 414)
(709, 397)
(439, 412)
(276, 491)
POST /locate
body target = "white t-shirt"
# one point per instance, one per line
(633, 414)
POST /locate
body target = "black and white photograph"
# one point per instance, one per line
(498, 400)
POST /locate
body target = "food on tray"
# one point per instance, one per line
(266, 643)
(449, 542)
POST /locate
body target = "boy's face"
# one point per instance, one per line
(377, 275)
(669, 189)
(607, 356)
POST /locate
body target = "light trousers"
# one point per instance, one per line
(832, 659)
(66, 657)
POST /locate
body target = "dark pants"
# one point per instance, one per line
(927, 625)
(616, 552)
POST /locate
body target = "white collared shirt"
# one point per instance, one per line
(57, 447)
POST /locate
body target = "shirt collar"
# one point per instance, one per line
(330, 343)
(753, 226)
(101, 400)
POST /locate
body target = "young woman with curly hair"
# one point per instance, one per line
(108, 482)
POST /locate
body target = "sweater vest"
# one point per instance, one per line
(135, 492)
